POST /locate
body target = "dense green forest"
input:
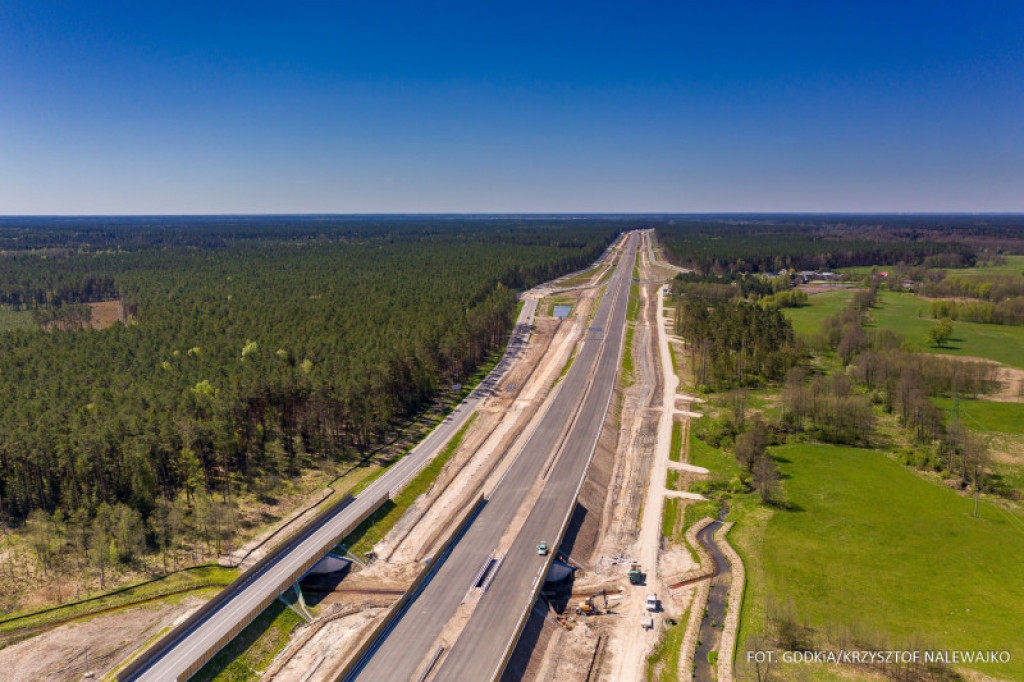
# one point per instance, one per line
(735, 343)
(251, 344)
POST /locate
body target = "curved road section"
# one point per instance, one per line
(180, 659)
(568, 432)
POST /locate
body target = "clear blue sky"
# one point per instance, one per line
(221, 107)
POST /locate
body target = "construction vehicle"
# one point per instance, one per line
(635, 576)
(588, 608)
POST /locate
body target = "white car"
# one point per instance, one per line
(652, 602)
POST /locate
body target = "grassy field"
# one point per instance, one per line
(16, 319)
(670, 529)
(983, 415)
(627, 358)
(807, 319)
(1014, 266)
(906, 314)
(866, 543)
(721, 464)
(633, 305)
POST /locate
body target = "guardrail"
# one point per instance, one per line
(174, 637)
(369, 645)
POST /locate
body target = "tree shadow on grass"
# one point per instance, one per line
(786, 505)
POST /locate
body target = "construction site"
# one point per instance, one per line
(615, 586)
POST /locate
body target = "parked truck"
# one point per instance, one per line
(635, 576)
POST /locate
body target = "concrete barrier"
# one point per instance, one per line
(362, 654)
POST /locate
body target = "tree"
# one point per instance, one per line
(766, 478)
(939, 333)
(165, 522)
(750, 445)
(737, 400)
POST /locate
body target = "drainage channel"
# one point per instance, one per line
(711, 626)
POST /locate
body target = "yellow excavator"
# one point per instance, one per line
(588, 608)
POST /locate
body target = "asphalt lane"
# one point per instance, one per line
(413, 637)
(479, 652)
(175, 662)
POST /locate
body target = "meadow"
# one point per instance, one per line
(906, 314)
(807, 319)
(985, 415)
(867, 544)
(16, 319)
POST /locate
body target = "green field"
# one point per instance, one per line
(1014, 266)
(721, 464)
(906, 314)
(663, 662)
(807, 319)
(866, 543)
(984, 415)
(675, 450)
(16, 319)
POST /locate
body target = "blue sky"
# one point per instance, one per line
(220, 107)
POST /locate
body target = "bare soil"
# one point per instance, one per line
(60, 654)
(106, 313)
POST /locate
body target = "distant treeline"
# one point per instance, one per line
(992, 288)
(249, 359)
(1007, 311)
(748, 244)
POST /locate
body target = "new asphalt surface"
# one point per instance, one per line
(568, 431)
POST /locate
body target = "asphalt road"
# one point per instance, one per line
(580, 403)
(271, 582)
